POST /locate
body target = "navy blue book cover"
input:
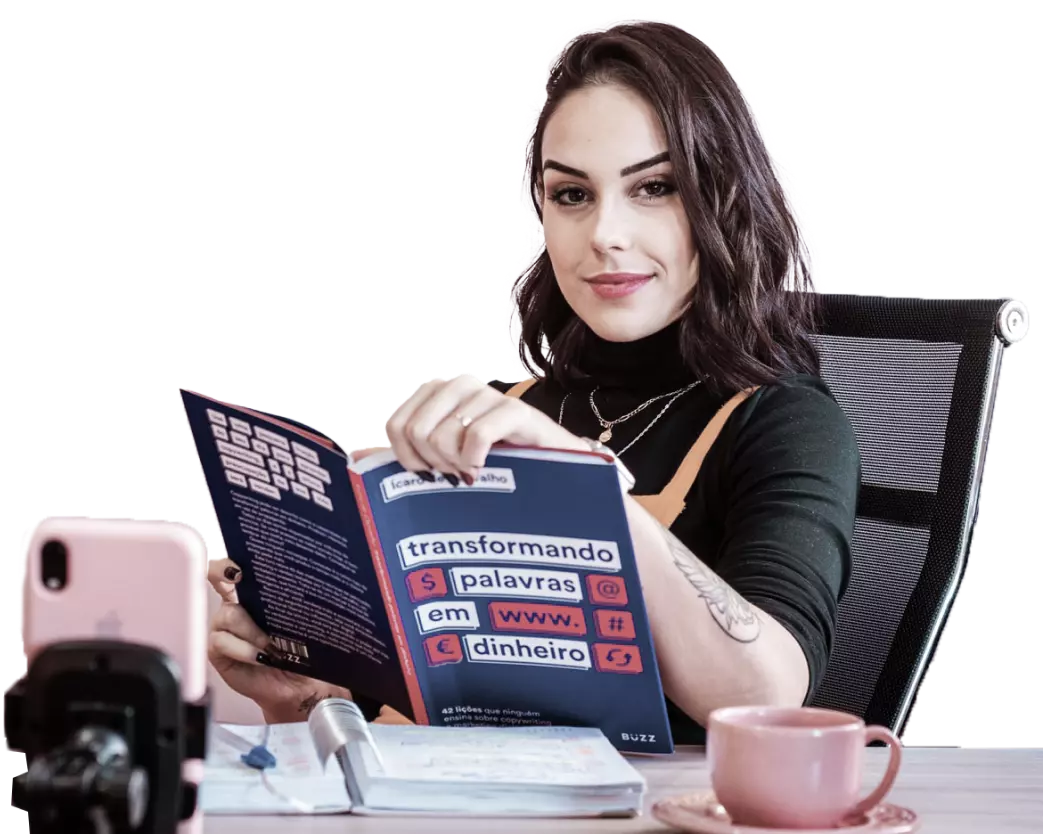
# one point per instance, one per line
(512, 602)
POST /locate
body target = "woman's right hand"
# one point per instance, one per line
(241, 654)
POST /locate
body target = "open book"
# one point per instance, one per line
(512, 602)
(398, 768)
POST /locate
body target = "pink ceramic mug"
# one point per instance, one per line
(793, 767)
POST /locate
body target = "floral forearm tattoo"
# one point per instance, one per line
(731, 612)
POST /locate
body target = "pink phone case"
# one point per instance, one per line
(140, 581)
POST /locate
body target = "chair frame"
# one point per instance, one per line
(1010, 327)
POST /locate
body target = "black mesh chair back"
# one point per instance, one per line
(917, 378)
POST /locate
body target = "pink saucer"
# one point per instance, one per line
(701, 813)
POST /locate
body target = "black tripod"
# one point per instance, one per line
(105, 733)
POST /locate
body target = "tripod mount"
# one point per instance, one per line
(105, 733)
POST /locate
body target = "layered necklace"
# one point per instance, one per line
(608, 425)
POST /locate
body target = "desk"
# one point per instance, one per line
(954, 790)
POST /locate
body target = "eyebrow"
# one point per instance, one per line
(624, 172)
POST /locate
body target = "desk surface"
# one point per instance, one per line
(954, 791)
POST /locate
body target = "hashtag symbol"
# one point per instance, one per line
(615, 623)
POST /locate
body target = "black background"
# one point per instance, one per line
(312, 214)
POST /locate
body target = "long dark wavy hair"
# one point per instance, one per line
(745, 324)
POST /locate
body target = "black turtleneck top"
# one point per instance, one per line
(772, 511)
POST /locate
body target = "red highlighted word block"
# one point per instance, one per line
(426, 583)
(606, 590)
(537, 617)
(624, 660)
(442, 649)
(614, 625)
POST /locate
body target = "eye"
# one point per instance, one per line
(657, 189)
(649, 191)
(568, 195)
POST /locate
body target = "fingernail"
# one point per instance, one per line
(424, 475)
(453, 480)
(274, 652)
(468, 479)
(264, 659)
(232, 574)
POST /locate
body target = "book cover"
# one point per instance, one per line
(512, 602)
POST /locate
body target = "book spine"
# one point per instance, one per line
(416, 697)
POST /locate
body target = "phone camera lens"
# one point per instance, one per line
(55, 565)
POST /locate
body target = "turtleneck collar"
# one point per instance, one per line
(650, 364)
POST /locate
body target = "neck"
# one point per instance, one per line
(652, 364)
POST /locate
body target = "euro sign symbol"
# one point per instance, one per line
(428, 582)
(618, 657)
(443, 646)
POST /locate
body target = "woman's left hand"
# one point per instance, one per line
(449, 427)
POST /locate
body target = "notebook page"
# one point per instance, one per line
(297, 784)
(546, 756)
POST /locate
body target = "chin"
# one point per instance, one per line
(622, 325)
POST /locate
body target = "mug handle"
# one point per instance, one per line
(877, 733)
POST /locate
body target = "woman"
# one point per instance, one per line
(662, 297)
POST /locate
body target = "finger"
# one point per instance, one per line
(234, 620)
(426, 419)
(448, 436)
(224, 575)
(399, 422)
(415, 399)
(390, 716)
(362, 453)
(226, 646)
(498, 423)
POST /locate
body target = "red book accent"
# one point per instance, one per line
(606, 590)
(624, 660)
(416, 698)
(614, 625)
(442, 649)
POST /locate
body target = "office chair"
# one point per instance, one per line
(918, 379)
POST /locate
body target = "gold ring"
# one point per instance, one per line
(465, 421)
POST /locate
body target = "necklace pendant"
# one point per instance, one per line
(605, 436)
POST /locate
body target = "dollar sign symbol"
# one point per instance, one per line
(428, 582)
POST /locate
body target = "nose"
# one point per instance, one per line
(611, 227)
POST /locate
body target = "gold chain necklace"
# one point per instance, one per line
(607, 425)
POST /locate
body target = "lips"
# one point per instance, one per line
(618, 284)
(619, 277)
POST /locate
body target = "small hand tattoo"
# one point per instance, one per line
(308, 704)
(731, 612)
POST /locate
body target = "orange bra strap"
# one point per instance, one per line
(520, 388)
(661, 507)
(669, 503)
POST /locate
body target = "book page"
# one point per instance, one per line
(560, 756)
(626, 478)
(381, 458)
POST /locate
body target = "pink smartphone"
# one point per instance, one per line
(140, 581)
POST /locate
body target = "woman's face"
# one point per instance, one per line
(615, 228)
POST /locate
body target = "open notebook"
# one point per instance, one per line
(408, 769)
